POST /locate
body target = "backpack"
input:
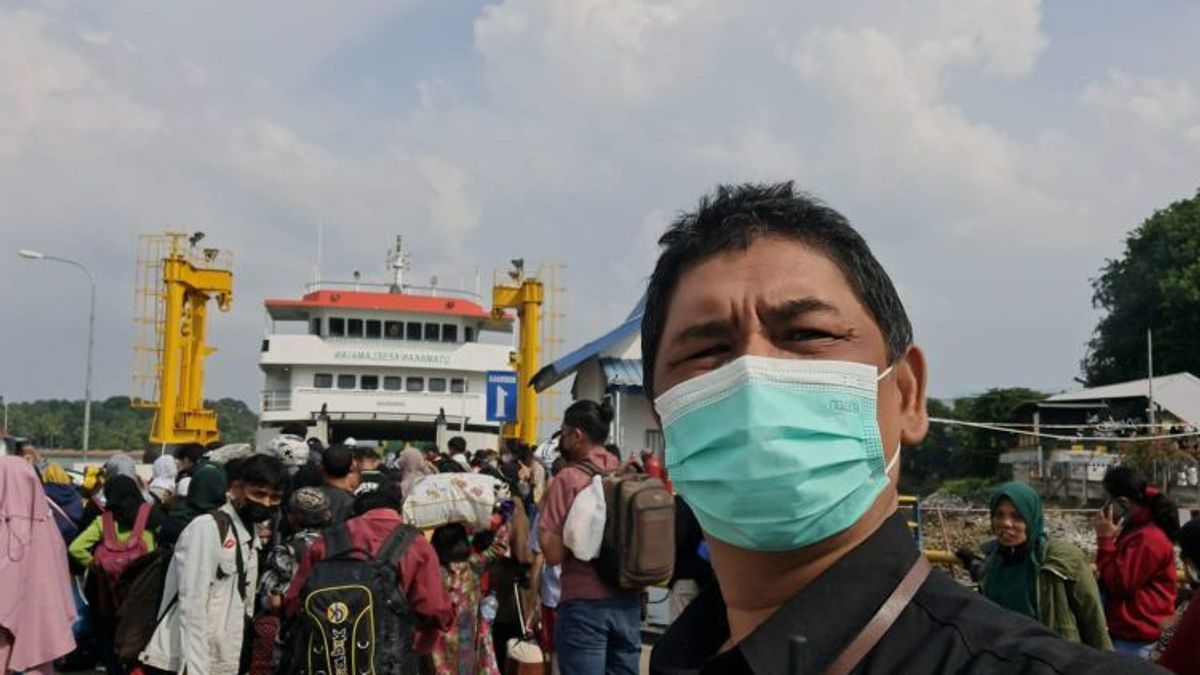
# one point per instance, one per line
(143, 584)
(353, 616)
(638, 548)
(112, 557)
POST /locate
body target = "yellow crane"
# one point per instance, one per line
(175, 282)
(525, 295)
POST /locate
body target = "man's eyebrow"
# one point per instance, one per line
(703, 331)
(791, 309)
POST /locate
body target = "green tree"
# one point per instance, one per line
(1155, 285)
(976, 451)
(924, 467)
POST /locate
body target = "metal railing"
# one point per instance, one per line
(433, 291)
(276, 400)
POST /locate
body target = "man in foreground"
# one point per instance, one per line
(786, 381)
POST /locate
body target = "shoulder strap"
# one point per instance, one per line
(224, 523)
(59, 510)
(108, 530)
(879, 624)
(139, 523)
(396, 545)
(588, 468)
(337, 540)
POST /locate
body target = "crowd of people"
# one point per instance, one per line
(230, 543)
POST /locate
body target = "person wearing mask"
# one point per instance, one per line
(308, 514)
(598, 628)
(376, 517)
(532, 473)
(188, 458)
(123, 504)
(1135, 560)
(162, 481)
(370, 469)
(783, 372)
(35, 622)
(207, 492)
(340, 471)
(65, 502)
(208, 597)
(1048, 580)
(1178, 648)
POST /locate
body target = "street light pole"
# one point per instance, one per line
(87, 387)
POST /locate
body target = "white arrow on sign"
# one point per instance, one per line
(501, 401)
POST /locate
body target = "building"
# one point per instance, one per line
(1092, 424)
(611, 367)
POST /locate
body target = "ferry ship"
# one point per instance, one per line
(386, 362)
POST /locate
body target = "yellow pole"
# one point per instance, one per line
(531, 318)
(195, 392)
(164, 419)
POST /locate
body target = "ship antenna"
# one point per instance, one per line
(398, 262)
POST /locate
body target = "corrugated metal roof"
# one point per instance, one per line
(622, 373)
(561, 369)
(1178, 394)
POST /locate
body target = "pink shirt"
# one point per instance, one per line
(579, 579)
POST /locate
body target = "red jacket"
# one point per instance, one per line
(419, 572)
(1137, 571)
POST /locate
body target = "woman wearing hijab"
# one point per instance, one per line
(35, 623)
(206, 493)
(413, 467)
(1050, 581)
(123, 499)
(162, 482)
(65, 504)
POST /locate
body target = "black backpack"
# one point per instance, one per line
(353, 616)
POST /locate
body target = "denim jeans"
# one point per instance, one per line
(599, 637)
(1132, 648)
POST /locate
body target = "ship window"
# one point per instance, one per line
(432, 331)
(368, 382)
(393, 382)
(323, 380)
(374, 328)
(449, 332)
(458, 386)
(314, 327)
(337, 326)
(394, 330)
(437, 385)
(470, 335)
(346, 381)
(412, 331)
(415, 384)
(354, 328)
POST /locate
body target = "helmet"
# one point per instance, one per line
(291, 450)
(350, 442)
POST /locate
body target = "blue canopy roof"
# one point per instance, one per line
(563, 368)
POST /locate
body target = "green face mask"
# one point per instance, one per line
(776, 454)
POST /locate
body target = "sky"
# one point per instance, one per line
(993, 152)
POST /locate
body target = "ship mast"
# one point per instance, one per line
(398, 263)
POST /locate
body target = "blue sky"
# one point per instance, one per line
(994, 152)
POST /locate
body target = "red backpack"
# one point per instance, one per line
(112, 557)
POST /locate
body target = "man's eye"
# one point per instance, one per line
(806, 334)
(715, 350)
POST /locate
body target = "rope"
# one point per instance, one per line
(1061, 437)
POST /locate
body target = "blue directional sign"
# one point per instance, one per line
(501, 396)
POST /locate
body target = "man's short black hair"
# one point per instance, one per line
(263, 470)
(294, 429)
(733, 218)
(363, 452)
(385, 496)
(337, 460)
(457, 444)
(190, 451)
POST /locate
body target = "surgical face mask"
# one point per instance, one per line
(776, 454)
(252, 512)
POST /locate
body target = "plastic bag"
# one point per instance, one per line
(583, 530)
(445, 498)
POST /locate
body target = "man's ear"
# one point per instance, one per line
(910, 380)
